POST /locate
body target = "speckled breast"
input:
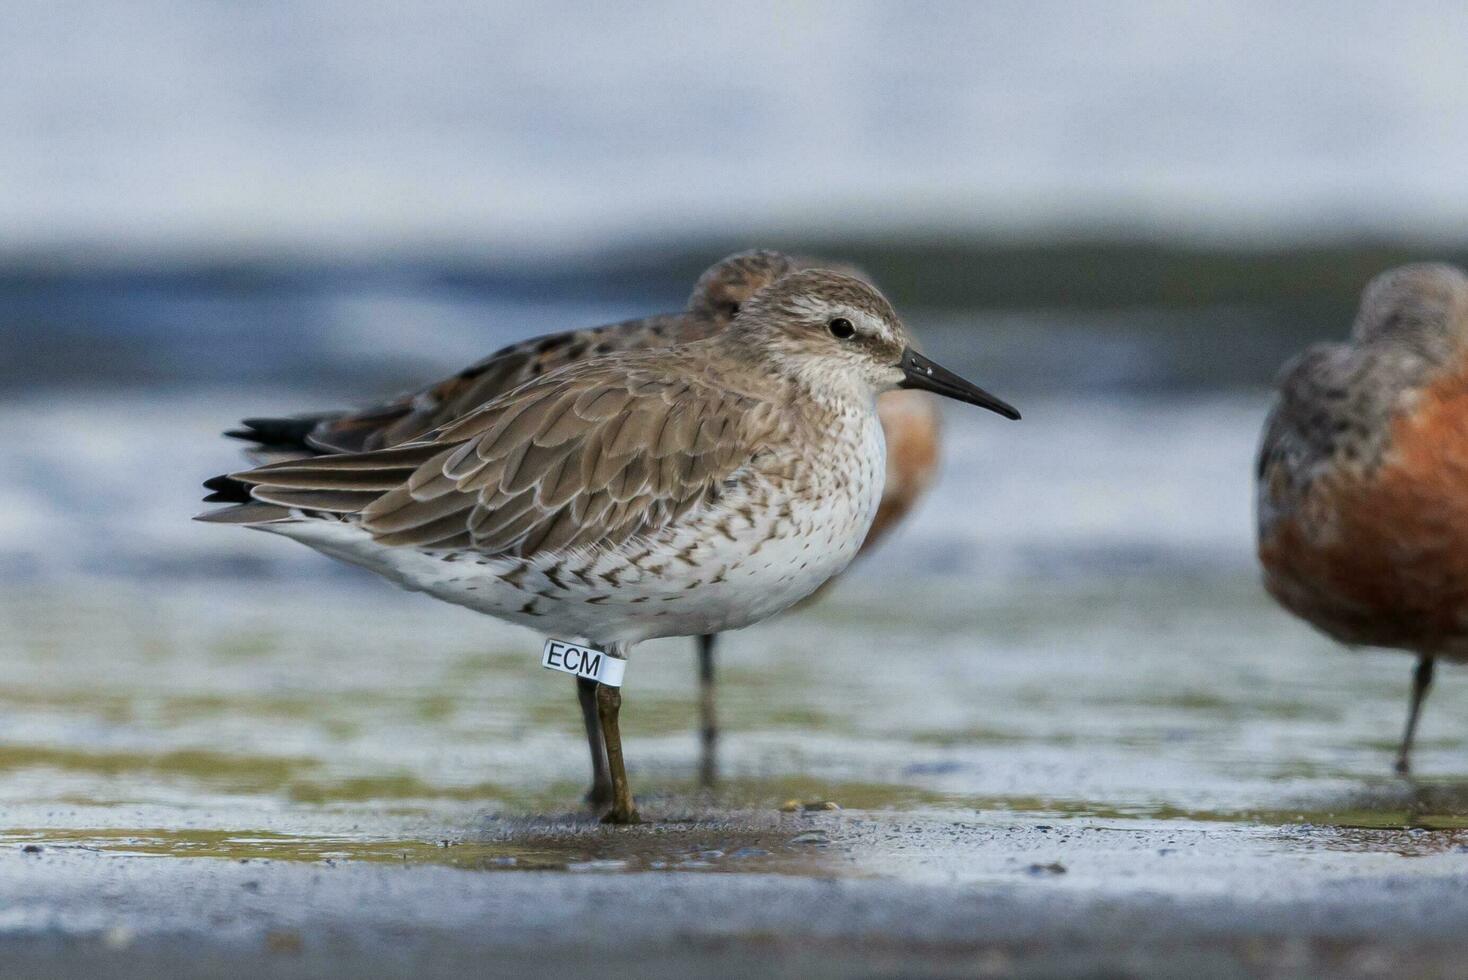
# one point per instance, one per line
(799, 519)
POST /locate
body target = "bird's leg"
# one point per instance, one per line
(709, 727)
(609, 704)
(600, 793)
(1421, 681)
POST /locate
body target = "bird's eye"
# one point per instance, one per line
(841, 328)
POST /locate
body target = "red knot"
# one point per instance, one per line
(910, 424)
(1362, 498)
(634, 494)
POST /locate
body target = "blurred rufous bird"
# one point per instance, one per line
(910, 421)
(1362, 504)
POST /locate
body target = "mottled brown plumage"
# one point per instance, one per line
(910, 419)
(646, 493)
(594, 454)
(715, 299)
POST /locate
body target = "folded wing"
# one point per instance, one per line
(412, 415)
(588, 457)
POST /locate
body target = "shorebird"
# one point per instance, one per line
(680, 491)
(1362, 504)
(910, 423)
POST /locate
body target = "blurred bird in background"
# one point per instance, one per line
(1362, 505)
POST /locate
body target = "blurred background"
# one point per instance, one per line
(1121, 217)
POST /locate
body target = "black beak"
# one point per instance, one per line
(924, 374)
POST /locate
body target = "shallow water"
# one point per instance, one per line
(346, 721)
(1069, 627)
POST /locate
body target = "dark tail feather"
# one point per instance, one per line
(280, 433)
(227, 490)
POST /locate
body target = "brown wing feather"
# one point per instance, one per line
(716, 298)
(593, 455)
(417, 413)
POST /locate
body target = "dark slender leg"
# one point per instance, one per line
(600, 793)
(709, 729)
(609, 705)
(1421, 681)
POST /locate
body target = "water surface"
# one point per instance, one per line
(1070, 629)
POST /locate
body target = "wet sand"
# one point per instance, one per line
(753, 894)
(276, 786)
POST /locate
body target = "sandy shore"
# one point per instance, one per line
(828, 894)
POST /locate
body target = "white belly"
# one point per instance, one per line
(716, 570)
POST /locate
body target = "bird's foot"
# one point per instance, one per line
(620, 816)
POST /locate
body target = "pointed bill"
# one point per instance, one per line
(921, 373)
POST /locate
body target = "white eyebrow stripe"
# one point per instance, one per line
(864, 322)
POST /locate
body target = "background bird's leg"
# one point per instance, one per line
(709, 720)
(609, 707)
(1421, 681)
(600, 793)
